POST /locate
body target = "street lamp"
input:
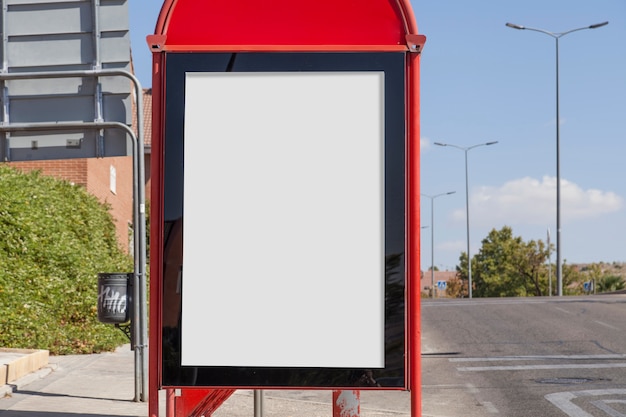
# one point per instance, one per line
(469, 257)
(556, 36)
(432, 239)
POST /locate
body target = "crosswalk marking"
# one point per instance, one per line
(562, 400)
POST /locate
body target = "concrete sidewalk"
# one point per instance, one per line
(102, 385)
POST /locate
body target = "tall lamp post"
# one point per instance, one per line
(432, 239)
(556, 36)
(469, 257)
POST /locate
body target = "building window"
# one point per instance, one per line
(113, 179)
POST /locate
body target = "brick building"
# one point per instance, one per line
(109, 179)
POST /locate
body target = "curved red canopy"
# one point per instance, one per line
(284, 24)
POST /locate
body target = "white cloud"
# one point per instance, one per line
(424, 143)
(532, 201)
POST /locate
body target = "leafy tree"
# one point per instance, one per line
(573, 279)
(54, 239)
(506, 266)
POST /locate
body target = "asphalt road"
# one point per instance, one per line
(522, 357)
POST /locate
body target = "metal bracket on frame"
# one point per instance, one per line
(415, 42)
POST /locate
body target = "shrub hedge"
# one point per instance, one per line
(54, 239)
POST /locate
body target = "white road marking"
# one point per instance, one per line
(538, 358)
(471, 388)
(490, 407)
(485, 302)
(539, 367)
(606, 325)
(563, 400)
(604, 406)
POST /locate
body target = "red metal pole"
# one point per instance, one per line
(413, 263)
(346, 403)
(170, 402)
(156, 252)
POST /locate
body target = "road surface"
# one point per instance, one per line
(537, 356)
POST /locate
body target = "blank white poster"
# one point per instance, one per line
(283, 247)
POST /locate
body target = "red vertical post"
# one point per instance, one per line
(170, 402)
(156, 252)
(346, 403)
(413, 249)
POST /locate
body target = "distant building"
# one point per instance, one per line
(426, 277)
(76, 36)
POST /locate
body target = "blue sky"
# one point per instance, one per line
(482, 81)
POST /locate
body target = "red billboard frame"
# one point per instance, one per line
(287, 26)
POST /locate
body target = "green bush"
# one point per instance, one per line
(54, 239)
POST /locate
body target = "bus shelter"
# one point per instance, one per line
(285, 199)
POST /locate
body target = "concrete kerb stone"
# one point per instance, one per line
(18, 367)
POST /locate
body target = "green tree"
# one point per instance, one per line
(573, 279)
(506, 266)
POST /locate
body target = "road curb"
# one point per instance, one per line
(19, 367)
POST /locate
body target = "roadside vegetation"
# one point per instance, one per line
(507, 266)
(54, 239)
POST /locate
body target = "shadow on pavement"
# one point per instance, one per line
(52, 394)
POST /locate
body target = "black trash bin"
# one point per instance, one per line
(114, 297)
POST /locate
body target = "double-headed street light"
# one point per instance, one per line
(469, 257)
(432, 239)
(556, 36)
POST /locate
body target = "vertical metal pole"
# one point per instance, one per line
(559, 271)
(140, 245)
(258, 403)
(346, 403)
(170, 402)
(549, 267)
(136, 320)
(432, 246)
(469, 256)
(467, 211)
(140, 314)
(556, 36)
(412, 297)
(5, 36)
(97, 65)
(136, 314)
(432, 238)
(3, 83)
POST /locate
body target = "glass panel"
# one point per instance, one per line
(244, 313)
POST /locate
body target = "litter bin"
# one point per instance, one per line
(114, 297)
